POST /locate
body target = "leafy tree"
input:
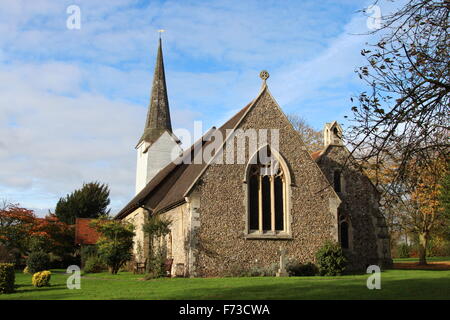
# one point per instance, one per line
(403, 116)
(21, 232)
(442, 239)
(156, 228)
(311, 137)
(394, 204)
(16, 225)
(445, 193)
(50, 235)
(426, 195)
(91, 201)
(115, 243)
(414, 206)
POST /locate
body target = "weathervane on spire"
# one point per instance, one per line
(161, 31)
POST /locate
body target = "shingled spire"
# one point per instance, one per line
(158, 116)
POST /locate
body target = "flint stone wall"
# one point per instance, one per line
(370, 239)
(222, 246)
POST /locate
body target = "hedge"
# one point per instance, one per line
(7, 277)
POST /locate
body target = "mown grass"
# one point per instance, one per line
(395, 284)
(429, 259)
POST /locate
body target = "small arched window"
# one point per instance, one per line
(267, 195)
(337, 181)
(344, 231)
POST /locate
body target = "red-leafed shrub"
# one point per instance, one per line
(21, 232)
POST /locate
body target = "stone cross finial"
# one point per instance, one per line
(264, 75)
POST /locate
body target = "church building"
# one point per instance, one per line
(236, 215)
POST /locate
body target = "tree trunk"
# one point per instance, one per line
(150, 254)
(423, 239)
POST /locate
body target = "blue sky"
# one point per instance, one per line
(73, 102)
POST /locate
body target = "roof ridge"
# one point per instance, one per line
(248, 107)
(159, 176)
(165, 172)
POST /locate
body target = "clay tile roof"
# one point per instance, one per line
(168, 188)
(315, 155)
(84, 234)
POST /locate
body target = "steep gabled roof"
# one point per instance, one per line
(169, 187)
(84, 233)
(319, 154)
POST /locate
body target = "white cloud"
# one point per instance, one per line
(73, 102)
(53, 143)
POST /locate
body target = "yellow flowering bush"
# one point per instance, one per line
(41, 279)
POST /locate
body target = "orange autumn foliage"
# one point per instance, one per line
(19, 225)
(428, 188)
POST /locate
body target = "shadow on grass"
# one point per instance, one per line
(30, 288)
(420, 269)
(394, 285)
(327, 290)
(427, 267)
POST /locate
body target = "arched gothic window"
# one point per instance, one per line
(344, 230)
(337, 181)
(267, 195)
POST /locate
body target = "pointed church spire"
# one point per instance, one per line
(158, 116)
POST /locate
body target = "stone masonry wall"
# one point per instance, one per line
(175, 242)
(370, 239)
(138, 218)
(222, 246)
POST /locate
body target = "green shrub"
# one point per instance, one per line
(236, 270)
(330, 259)
(86, 252)
(6, 255)
(94, 264)
(116, 242)
(156, 227)
(297, 269)
(41, 279)
(153, 275)
(403, 250)
(156, 264)
(38, 261)
(438, 247)
(7, 277)
(63, 261)
(268, 271)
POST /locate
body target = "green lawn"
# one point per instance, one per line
(429, 259)
(396, 284)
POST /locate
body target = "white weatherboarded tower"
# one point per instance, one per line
(157, 144)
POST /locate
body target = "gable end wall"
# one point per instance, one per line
(223, 249)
